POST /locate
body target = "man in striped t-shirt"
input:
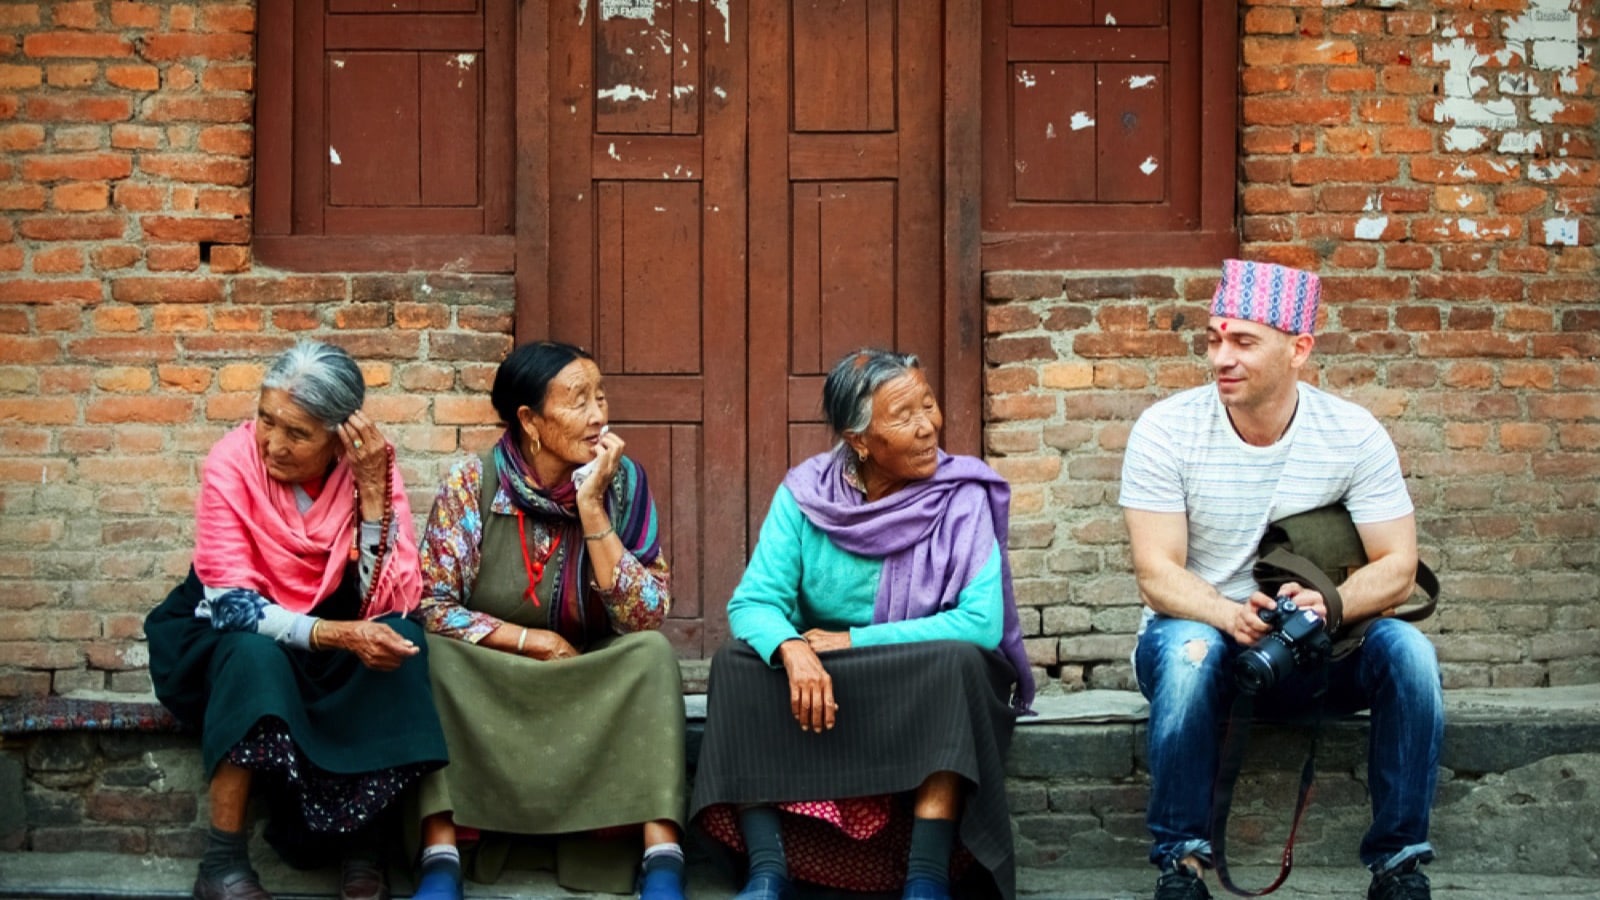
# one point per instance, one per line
(1205, 472)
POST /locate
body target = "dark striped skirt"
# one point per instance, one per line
(905, 712)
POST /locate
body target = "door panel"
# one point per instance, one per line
(845, 135)
(739, 194)
(634, 215)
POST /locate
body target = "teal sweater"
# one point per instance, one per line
(798, 580)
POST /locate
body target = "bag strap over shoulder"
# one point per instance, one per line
(1318, 548)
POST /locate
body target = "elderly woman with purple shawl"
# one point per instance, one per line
(877, 615)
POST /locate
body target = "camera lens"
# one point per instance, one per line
(1260, 667)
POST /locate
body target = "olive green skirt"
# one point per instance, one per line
(559, 748)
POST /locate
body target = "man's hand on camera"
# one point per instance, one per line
(1305, 598)
(1246, 626)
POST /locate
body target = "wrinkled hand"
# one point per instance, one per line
(810, 686)
(827, 641)
(377, 645)
(365, 447)
(607, 457)
(547, 645)
(1245, 625)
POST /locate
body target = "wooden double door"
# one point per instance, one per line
(720, 198)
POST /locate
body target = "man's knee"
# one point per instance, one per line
(1181, 662)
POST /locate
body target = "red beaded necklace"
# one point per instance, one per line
(535, 568)
(383, 526)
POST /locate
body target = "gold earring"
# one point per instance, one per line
(862, 455)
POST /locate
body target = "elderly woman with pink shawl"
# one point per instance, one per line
(287, 644)
(877, 616)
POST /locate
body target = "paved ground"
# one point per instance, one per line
(89, 875)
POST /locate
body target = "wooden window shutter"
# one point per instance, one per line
(1109, 133)
(385, 135)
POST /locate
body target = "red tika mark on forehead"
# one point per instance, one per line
(1222, 326)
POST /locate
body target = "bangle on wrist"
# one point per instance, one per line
(522, 639)
(313, 640)
(600, 536)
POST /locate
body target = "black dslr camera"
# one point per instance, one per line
(1299, 639)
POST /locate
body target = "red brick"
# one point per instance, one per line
(226, 141)
(1517, 200)
(289, 289)
(1384, 110)
(16, 15)
(1317, 170)
(70, 43)
(10, 258)
(158, 409)
(80, 14)
(24, 136)
(1497, 289)
(135, 137)
(1266, 81)
(198, 109)
(139, 197)
(1407, 256)
(238, 318)
(189, 379)
(1358, 21)
(29, 350)
(1524, 318)
(172, 257)
(168, 319)
(58, 261)
(1351, 81)
(1270, 141)
(227, 18)
(1527, 375)
(174, 229)
(1471, 344)
(20, 77)
(1466, 228)
(230, 258)
(22, 196)
(1296, 51)
(51, 108)
(296, 319)
(202, 46)
(72, 75)
(1276, 199)
(81, 197)
(134, 78)
(229, 77)
(135, 15)
(1396, 139)
(1270, 21)
(1354, 256)
(39, 410)
(166, 290)
(1464, 259)
(1555, 233)
(1295, 111)
(1104, 346)
(49, 290)
(124, 348)
(116, 256)
(196, 168)
(72, 228)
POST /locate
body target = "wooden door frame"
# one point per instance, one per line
(962, 300)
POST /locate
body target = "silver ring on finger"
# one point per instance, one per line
(356, 443)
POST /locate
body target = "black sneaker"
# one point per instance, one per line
(1181, 884)
(1403, 883)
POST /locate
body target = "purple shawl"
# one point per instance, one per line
(923, 533)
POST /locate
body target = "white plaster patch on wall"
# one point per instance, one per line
(721, 94)
(681, 91)
(464, 60)
(727, 25)
(1520, 84)
(1026, 79)
(1545, 109)
(1550, 171)
(625, 92)
(1463, 140)
(1561, 231)
(1371, 228)
(583, 11)
(1081, 120)
(1460, 104)
(1463, 201)
(611, 151)
(333, 156)
(644, 10)
(1110, 19)
(1149, 165)
(1548, 33)
(1049, 131)
(338, 64)
(1139, 82)
(1521, 142)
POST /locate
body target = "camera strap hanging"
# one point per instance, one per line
(1234, 743)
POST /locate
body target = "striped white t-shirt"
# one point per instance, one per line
(1184, 456)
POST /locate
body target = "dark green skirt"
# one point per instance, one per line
(344, 718)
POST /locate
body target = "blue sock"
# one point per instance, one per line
(931, 841)
(662, 873)
(763, 841)
(441, 874)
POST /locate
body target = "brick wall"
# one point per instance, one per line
(1460, 281)
(1435, 162)
(134, 327)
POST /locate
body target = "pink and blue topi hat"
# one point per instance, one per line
(1274, 295)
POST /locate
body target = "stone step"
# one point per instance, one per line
(106, 876)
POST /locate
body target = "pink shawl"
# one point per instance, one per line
(249, 533)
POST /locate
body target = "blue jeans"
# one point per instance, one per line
(1185, 671)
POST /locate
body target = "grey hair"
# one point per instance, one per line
(847, 394)
(321, 379)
